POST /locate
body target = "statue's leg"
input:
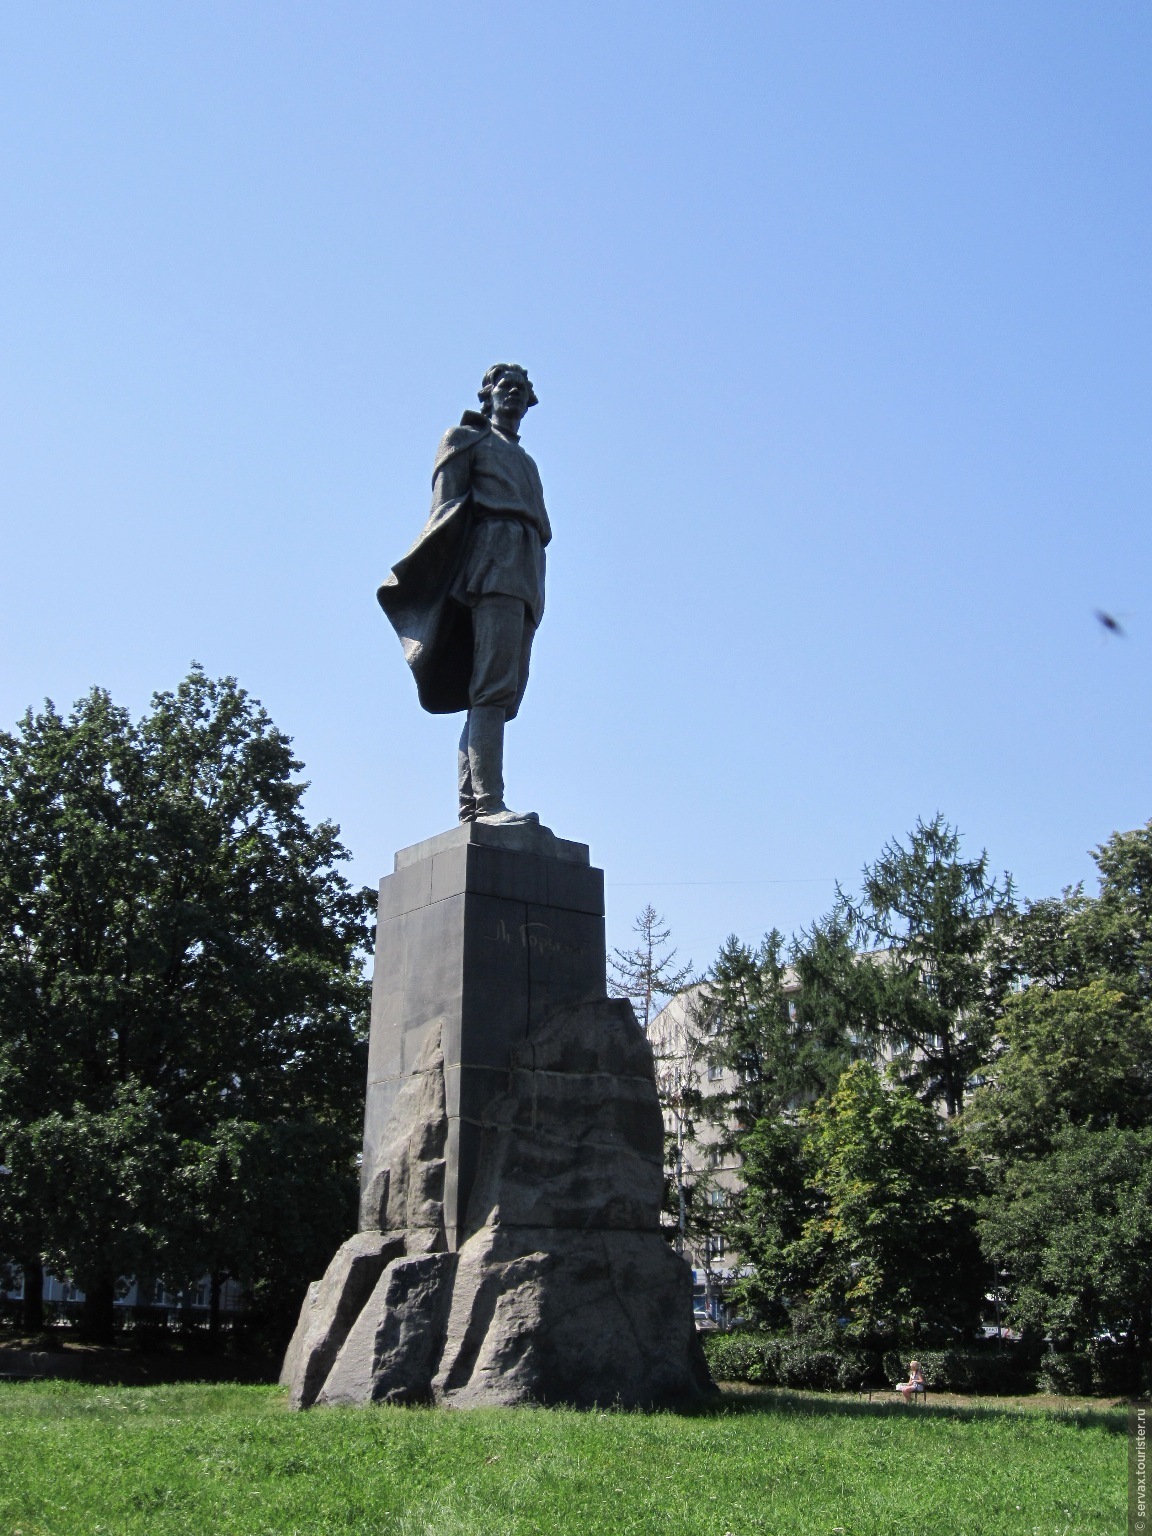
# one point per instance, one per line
(464, 773)
(498, 626)
(486, 757)
(528, 635)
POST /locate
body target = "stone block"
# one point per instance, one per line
(516, 839)
(584, 1041)
(590, 1319)
(393, 1348)
(513, 1156)
(484, 932)
(575, 888)
(403, 1188)
(408, 889)
(296, 1345)
(577, 1141)
(332, 1306)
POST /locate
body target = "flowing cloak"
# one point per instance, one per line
(434, 630)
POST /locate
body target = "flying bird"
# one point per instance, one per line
(1110, 623)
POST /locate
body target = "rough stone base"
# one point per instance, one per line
(391, 1353)
(564, 1291)
(593, 1319)
(330, 1309)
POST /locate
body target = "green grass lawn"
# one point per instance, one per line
(77, 1460)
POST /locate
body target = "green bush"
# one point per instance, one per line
(1101, 1370)
(740, 1356)
(1067, 1375)
(781, 1360)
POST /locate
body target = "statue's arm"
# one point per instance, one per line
(452, 473)
(452, 476)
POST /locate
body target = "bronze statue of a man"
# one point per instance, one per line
(467, 597)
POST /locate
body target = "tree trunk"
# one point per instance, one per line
(98, 1315)
(214, 1308)
(1140, 1333)
(33, 1309)
(948, 1075)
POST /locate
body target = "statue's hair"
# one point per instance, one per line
(493, 377)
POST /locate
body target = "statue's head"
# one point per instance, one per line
(506, 391)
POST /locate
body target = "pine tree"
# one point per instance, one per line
(913, 965)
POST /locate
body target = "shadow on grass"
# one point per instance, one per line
(47, 1357)
(780, 1400)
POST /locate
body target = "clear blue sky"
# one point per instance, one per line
(839, 317)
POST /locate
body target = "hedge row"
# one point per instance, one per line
(781, 1360)
(1107, 1370)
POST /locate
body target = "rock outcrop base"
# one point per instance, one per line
(564, 1290)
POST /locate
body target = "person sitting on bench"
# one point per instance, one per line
(915, 1383)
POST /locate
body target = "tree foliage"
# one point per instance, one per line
(1064, 942)
(1076, 1056)
(1117, 927)
(930, 987)
(1073, 1229)
(1064, 1120)
(863, 1214)
(772, 1055)
(766, 1221)
(179, 954)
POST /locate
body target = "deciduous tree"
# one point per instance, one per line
(864, 1213)
(1073, 1056)
(1074, 1231)
(179, 953)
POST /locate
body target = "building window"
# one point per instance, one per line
(715, 1071)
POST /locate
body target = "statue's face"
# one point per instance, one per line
(510, 396)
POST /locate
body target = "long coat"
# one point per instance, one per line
(435, 632)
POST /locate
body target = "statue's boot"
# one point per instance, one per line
(464, 773)
(485, 730)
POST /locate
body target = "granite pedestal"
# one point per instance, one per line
(509, 1248)
(483, 933)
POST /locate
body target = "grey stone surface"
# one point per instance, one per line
(404, 1188)
(513, 1160)
(565, 1290)
(527, 837)
(392, 1351)
(476, 943)
(588, 1318)
(296, 1345)
(578, 1140)
(333, 1304)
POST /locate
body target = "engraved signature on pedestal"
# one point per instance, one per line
(534, 936)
